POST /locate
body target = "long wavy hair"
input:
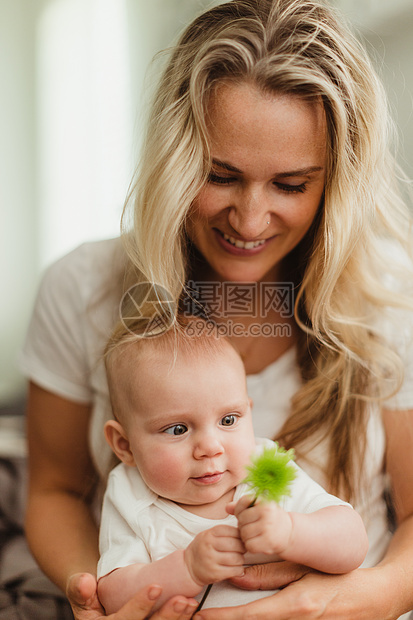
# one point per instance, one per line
(300, 48)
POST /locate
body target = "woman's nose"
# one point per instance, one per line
(249, 215)
(207, 445)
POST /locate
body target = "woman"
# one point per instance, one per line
(266, 161)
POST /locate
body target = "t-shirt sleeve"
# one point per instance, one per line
(121, 542)
(54, 353)
(308, 496)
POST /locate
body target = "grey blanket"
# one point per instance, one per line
(25, 592)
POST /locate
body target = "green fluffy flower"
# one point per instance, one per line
(271, 473)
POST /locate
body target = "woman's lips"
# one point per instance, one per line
(229, 247)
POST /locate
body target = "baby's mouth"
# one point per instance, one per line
(210, 478)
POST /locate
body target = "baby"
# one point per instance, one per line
(174, 511)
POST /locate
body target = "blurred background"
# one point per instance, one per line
(74, 81)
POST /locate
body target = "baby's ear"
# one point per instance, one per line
(117, 439)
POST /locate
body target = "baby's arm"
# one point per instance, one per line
(212, 556)
(332, 539)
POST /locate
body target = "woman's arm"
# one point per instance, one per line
(59, 525)
(60, 528)
(384, 592)
(399, 465)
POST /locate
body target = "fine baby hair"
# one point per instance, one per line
(191, 337)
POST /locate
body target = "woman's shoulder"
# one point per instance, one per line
(85, 277)
(87, 266)
(72, 317)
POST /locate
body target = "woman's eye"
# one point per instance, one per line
(215, 178)
(228, 420)
(291, 189)
(177, 429)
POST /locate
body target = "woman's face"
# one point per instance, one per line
(265, 185)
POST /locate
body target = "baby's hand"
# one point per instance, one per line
(215, 554)
(264, 527)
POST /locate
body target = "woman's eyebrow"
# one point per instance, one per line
(299, 173)
(223, 164)
(281, 175)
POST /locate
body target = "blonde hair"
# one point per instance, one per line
(295, 47)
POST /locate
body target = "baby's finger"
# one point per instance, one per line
(227, 544)
(225, 531)
(243, 503)
(230, 559)
(251, 530)
(227, 571)
(250, 515)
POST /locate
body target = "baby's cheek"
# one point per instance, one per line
(164, 474)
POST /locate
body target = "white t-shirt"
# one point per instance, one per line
(73, 317)
(138, 526)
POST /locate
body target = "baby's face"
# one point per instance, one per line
(191, 431)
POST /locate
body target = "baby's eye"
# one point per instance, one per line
(228, 420)
(177, 429)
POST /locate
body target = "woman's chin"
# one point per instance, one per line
(244, 273)
(214, 264)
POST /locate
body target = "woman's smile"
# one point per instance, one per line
(241, 247)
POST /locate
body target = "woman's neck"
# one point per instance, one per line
(257, 317)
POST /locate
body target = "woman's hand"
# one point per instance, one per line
(82, 595)
(361, 594)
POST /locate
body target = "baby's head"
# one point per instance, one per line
(182, 415)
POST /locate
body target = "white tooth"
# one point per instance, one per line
(228, 238)
(247, 245)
